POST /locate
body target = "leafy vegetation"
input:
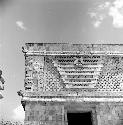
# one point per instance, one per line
(6, 122)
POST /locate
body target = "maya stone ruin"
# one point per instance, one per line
(68, 84)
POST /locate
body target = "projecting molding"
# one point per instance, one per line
(65, 48)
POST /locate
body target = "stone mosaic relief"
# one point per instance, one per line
(111, 77)
(53, 82)
(79, 71)
(43, 75)
(34, 71)
(110, 114)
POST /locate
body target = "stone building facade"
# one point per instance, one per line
(63, 79)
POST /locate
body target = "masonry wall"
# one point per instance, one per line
(37, 113)
(44, 114)
(110, 114)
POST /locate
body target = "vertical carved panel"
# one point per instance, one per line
(34, 71)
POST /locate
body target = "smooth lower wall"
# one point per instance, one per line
(41, 113)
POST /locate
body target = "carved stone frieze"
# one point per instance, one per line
(79, 73)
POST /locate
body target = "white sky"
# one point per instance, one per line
(75, 21)
(18, 113)
(20, 24)
(113, 9)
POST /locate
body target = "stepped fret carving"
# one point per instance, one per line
(85, 68)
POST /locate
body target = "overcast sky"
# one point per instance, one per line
(73, 21)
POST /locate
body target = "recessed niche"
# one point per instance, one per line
(80, 118)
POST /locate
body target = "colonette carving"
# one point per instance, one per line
(57, 74)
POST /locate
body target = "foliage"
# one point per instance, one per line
(7, 122)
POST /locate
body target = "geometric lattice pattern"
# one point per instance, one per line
(111, 77)
(52, 81)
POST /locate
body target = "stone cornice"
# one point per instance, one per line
(72, 49)
(74, 53)
(65, 94)
(74, 99)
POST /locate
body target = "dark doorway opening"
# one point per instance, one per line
(79, 118)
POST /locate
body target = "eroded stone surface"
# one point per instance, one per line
(44, 113)
(110, 113)
(51, 69)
